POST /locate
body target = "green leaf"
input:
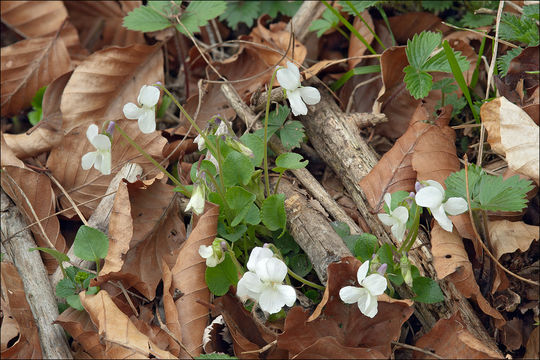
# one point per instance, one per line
(75, 302)
(385, 255)
(71, 272)
(366, 245)
(256, 145)
(523, 30)
(90, 244)
(472, 20)
(292, 134)
(276, 119)
(59, 256)
(358, 6)
(238, 198)
(286, 244)
(427, 290)
(288, 161)
(253, 217)
(35, 116)
(312, 295)
(437, 5)
(215, 356)
(328, 21)
(145, 19)
(221, 276)
(92, 290)
(272, 8)
(237, 169)
(439, 62)
(235, 234)
(532, 11)
(273, 212)
(198, 13)
(420, 48)
(503, 62)
(241, 12)
(446, 85)
(65, 288)
(362, 70)
(166, 100)
(300, 264)
(418, 82)
(458, 103)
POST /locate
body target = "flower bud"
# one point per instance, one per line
(382, 269)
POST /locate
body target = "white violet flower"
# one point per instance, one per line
(101, 158)
(432, 196)
(197, 200)
(222, 129)
(146, 114)
(213, 253)
(289, 79)
(396, 218)
(366, 296)
(263, 281)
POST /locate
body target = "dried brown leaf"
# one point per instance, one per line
(451, 262)
(532, 349)
(37, 188)
(15, 306)
(145, 229)
(114, 327)
(7, 156)
(450, 339)
(64, 163)
(33, 19)
(507, 237)
(48, 133)
(512, 133)
(188, 277)
(357, 47)
(171, 314)
(405, 26)
(79, 325)
(355, 334)
(108, 79)
(27, 66)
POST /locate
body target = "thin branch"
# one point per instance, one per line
(411, 347)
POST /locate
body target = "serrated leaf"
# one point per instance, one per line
(65, 288)
(436, 5)
(503, 62)
(532, 11)
(328, 21)
(272, 8)
(427, 290)
(292, 134)
(276, 119)
(359, 6)
(90, 244)
(273, 212)
(421, 46)
(439, 62)
(237, 169)
(216, 356)
(198, 13)
(241, 12)
(458, 103)
(145, 19)
(446, 85)
(523, 30)
(418, 82)
(472, 20)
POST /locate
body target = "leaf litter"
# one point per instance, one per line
(91, 71)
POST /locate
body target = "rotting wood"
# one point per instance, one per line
(39, 293)
(351, 158)
(100, 216)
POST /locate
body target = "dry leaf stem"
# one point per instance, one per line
(479, 239)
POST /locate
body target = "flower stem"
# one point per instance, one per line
(304, 281)
(265, 140)
(151, 159)
(411, 237)
(239, 266)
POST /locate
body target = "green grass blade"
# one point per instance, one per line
(349, 26)
(356, 71)
(365, 23)
(459, 77)
(474, 79)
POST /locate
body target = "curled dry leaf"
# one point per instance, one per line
(114, 327)
(512, 133)
(341, 330)
(450, 339)
(188, 277)
(105, 81)
(37, 188)
(171, 314)
(533, 344)
(27, 66)
(405, 26)
(17, 318)
(507, 237)
(451, 261)
(64, 163)
(100, 24)
(7, 156)
(144, 229)
(48, 133)
(79, 325)
(33, 19)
